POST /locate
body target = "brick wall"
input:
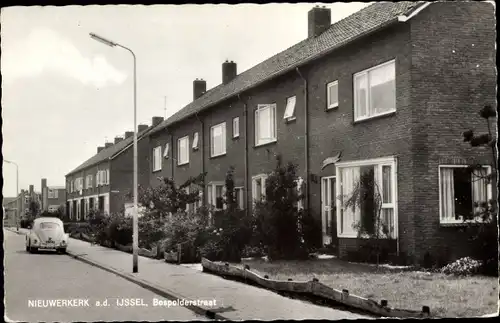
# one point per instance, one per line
(453, 76)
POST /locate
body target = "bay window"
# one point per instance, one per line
(375, 91)
(216, 192)
(461, 192)
(371, 186)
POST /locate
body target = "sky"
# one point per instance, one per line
(64, 94)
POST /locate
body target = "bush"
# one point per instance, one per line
(462, 267)
(119, 229)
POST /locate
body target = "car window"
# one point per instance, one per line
(48, 225)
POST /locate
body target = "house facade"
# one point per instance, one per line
(18, 208)
(52, 197)
(381, 96)
(104, 182)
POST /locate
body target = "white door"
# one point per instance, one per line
(328, 207)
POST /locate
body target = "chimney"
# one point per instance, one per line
(228, 71)
(118, 139)
(199, 88)
(129, 134)
(142, 127)
(319, 20)
(31, 190)
(108, 144)
(99, 149)
(45, 196)
(156, 121)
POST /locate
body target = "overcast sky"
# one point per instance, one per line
(64, 94)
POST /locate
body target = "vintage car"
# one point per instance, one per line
(47, 233)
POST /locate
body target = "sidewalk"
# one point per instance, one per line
(234, 300)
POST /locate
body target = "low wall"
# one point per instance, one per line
(312, 288)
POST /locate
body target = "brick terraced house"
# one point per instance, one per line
(384, 93)
(104, 181)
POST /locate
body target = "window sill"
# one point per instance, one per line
(156, 170)
(236, 137)
(460, 223)
(290, 120)
(217, 156)
(332, 107)
(266, 144)
(378, 116)
(196, 149)
(183, 164)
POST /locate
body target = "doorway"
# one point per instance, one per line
(328, 209)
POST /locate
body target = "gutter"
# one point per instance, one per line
(201, 143)
(245, 163)
(306, 138)
(172, 154)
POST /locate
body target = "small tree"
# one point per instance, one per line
(367, 196)
(278, 219)
(485, 235)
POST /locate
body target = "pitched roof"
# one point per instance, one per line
(7, 200)
(108, 153)
(342, 32)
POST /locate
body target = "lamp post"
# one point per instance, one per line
(135, 237)
(17, 190)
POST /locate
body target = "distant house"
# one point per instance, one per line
(53, 197)
(19, 208)
(383, 93)
(104, 182)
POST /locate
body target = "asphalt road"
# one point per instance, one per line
(50, 279)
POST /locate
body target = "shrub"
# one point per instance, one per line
(462, 267)
(277, 218)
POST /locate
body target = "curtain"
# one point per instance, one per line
(479, 186)
(447, 194)
(350, 176)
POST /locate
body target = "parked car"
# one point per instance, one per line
(47, 233)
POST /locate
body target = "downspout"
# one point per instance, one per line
(306, 138)
(245, 163)
(172, 155)
(201, 142)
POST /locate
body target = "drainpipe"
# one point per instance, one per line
(306, 138)
(245, 164)
(201, 143)
(172, 155)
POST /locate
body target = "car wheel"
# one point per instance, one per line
(33, 250)
(27, 248)
(61, 250)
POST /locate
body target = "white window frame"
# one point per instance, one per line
(368, 92)
(291, 103)
(236, 127)
(213, 153)
(179, 155)
(89, 181)
(379, 163)
(239, 190)
(330, 105)
(166, 151)
(157, 159)
(263, 178)
(212, 196)
(273, 125)
(489, 194)
(195, 141)
(300, 202)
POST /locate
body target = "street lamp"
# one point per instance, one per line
(17, 190)
(135, 237)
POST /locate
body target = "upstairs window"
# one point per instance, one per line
(236, 127)
(265, 124)
(195, 141)
(89, 181)
(375, 91)
(218, 140)
(290, 108)
(183, 150)
(332, 95)
(156, 159)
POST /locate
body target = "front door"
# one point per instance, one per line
(328, 209)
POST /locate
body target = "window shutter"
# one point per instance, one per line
(165, 153)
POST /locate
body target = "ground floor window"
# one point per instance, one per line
(461, 192)
(370, 185)
(239, 197)
(259, 187)
(216, 192)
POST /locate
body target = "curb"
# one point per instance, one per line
(171, 295)
(144, 284)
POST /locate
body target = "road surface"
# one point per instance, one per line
(52, 287)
